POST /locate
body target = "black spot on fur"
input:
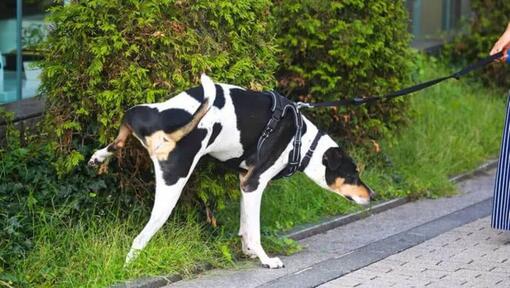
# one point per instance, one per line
(215, 132)
(179, 161)
(220, 97)
(145, 120)
(253, 111)
(173, 119)
(197, 93)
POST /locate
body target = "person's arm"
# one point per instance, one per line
(503, 44)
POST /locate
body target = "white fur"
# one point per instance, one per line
(184, 101)
(228, 142)
(164, 202)
(99, 156)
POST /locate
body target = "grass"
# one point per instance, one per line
(92, 254)
(452, 128)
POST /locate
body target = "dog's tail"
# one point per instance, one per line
(209, 89)
(209, 97)
(176, 136)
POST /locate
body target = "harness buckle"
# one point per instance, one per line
(300, 105)
(358, 100)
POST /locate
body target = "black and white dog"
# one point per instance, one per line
(226, 122)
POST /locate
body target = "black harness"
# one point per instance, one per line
(281, 106)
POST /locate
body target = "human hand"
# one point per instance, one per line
(503, 44)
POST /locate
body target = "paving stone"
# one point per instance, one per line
(472, 255)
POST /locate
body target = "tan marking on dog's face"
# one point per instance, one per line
(353, 191)
(358, 193)
(159, 144)
(337, 184)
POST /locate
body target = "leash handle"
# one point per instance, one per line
(508, 56)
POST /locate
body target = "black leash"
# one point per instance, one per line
(357, 101)
(279, 110)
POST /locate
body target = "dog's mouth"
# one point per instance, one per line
(360, 194)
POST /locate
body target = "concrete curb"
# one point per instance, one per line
(306, 231)
(490, 164)
(160, 281)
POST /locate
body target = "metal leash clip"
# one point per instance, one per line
(299, 105)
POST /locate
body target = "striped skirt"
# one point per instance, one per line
(501, 201)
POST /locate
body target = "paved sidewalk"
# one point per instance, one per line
(340, 251)
(473, 255)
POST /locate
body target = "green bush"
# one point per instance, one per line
(342, 49)
(105, 56)
(489, 21)
(31, 192)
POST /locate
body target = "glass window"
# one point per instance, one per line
(33, 32)
(434, 21)
(8, 23)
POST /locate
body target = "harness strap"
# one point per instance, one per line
(272, 123)
(295, 154)
(309, 153)
(279, 111)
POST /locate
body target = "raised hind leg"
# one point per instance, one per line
(102, 154)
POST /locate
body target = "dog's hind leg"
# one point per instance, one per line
(171, 176)
(102, 154)
(164, 202)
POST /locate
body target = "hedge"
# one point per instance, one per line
(343, 49)
(103, 56)
(481, 31)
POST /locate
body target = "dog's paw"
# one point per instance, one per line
(93, 162)
(99, 157)
(273, 263)
(133, 253)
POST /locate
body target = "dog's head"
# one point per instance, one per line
(342, 176)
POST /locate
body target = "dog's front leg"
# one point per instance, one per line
(164, 202)
(250, 227)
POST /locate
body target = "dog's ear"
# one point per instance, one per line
(332, 158)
